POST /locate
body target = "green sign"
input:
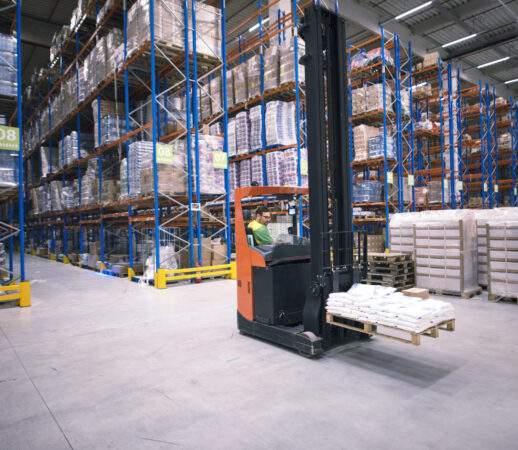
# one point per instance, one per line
(9, 138)
(164, 154)
(219, 160)
(303, 167)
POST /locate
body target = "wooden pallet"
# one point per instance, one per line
(372, 329)
(467, 293)
(399, 286)
(390, 277)
(499, 298)
(395, 270)
(389, 257)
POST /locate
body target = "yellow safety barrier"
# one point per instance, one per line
(162, 276)
(33, 252)
(22, 294)
(53, 256)
(65, 259)
(131, 274)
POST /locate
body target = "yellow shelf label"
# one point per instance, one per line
(219, 160)
(303, 167)
(410, 180)
(390, 177)
(164, 154)
(9, 138)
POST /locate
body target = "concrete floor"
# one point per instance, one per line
(98, 362)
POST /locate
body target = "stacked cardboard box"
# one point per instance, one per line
(445, 248)
(212, 179)
(287, 61)
(362, 134)
(280, 123)
(271, 68)
(240, 76)
(254, 76)
(502, 259)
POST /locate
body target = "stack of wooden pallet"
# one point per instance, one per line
(391, 269)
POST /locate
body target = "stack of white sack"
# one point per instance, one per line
(381, 305)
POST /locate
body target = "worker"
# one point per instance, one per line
(258, 226)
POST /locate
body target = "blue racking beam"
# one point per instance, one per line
(188, 126)
(452, 142)
(495, 143)
(459, 142)
(297, 105)
(79, 147)
(196, 129)
(126, 113)
(225, 125)
(383, 77)
(441, 120)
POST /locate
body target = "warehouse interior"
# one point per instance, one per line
(222, 224)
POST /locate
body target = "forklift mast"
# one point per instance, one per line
(330, 214)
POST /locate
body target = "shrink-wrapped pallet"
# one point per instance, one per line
(368, 191)
(240, 83)
(139, 154)
(290, 167)
(287, 62)
(171, 178)
(254, 76)
(212, 179)
(204, 102)
(502, 258)
(401, 232)
(230, 90)
(377, 146)
(233, 178)
(362, 134)
(245, 173)
(483, 217)
(232, 142)
(271, 68)
(274, 168)
(8, 168)
(256, 129)
(257, 170)
(445, 246)
(216, 94)
(280, 124)
(243, 132)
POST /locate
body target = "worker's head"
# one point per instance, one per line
(262, 215)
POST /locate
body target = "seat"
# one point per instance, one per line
(247, 217)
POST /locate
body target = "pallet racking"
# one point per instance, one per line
(14, 286)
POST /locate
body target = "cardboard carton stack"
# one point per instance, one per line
(502, 259)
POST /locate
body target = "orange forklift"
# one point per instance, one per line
(282, 288)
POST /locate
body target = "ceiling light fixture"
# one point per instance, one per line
(493, 62)
(511, 81)
(256, 26)
(458, 41)
(412, 11)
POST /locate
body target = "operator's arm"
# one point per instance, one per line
(263, 236)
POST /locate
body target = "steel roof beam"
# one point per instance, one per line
(462, 12)
(369, 19)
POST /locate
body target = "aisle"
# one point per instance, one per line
(98, 362)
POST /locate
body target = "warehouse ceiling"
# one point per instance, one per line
(488, 30)
(493, 22)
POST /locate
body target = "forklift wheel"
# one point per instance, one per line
(312, 338)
